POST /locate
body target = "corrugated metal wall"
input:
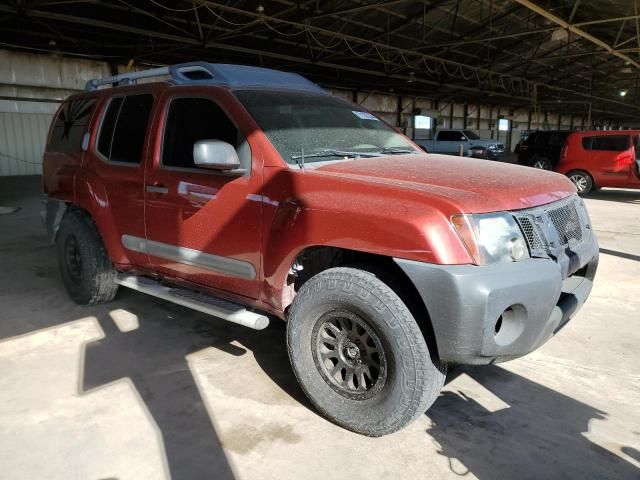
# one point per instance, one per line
(35, 83)
(22, 139)
(31, 87)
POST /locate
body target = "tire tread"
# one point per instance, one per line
(429, 375)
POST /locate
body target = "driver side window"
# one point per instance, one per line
(191, 119)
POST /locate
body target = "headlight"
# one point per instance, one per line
(491, 237)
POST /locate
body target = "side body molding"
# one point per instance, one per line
(189, 256)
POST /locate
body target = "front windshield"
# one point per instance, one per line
(320, 127)
(471, 135)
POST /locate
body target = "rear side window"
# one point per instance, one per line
(124, 127)
(450, 136)
(192, 119)
(562, 136)
(586, 142)
(611, 143)
(542, 138)
(70, 126)
(555, 139)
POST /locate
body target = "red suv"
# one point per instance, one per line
(244, 192)
(601, 159)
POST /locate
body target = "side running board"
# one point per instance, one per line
(217, 307)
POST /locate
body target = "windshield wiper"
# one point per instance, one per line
(330, 152)
(396, 150)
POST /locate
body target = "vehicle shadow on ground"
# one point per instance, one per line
(616, 253)
(540, 435)
(154, 357)
(613, 195)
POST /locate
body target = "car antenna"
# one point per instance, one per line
(301, 159)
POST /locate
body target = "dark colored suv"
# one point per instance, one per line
(542, 149)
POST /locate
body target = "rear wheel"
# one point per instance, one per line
(542, 163)
(87, 272)
(582, 181)
(359, 354)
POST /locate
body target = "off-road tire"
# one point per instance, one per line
(413, 380)
(91, 278)
(586, 181)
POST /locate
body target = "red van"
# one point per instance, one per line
(598, 159)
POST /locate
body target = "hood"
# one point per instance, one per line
(469, 184)
(485, 141)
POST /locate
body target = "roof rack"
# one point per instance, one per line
(204, 73)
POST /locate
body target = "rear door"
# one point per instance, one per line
(202, 225)
(449, 141)
(611, 159)
(114, 168)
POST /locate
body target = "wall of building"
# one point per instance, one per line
(398, 111)
(31, 88)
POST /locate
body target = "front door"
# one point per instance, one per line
(202, 225)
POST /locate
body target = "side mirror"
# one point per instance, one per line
(216, 155)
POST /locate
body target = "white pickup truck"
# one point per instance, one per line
(453, 141)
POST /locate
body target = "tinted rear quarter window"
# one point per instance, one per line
(586, 142)
(123, 131)
(449, 136)
(610, 143)
(558, 139)
(562, 136)
(70, 125)
(547, 138)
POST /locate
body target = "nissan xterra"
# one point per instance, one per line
(246, 193)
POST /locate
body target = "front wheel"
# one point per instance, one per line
(358, 353)
(582, 181)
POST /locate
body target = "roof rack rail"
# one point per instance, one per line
(204, 73)
(177, 72)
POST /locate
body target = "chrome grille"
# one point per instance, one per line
(567, 223)
(531, 234)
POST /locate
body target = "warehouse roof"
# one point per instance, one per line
(563, 54)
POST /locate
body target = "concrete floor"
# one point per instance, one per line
(144, 389)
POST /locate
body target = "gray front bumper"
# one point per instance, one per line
(467, 303)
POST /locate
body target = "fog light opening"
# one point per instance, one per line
(510, 325)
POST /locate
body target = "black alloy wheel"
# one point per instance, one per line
(349, 355)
